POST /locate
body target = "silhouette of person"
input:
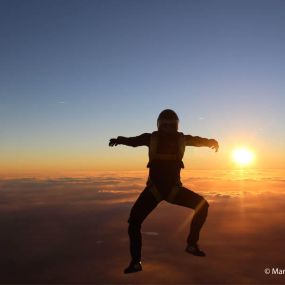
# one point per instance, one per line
(166, 149)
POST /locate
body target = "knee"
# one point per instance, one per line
(206, 203)
(203, 205)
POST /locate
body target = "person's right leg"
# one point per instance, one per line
(140, 210)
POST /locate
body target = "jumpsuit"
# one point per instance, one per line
(164, 177)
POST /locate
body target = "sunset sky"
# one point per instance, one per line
(76, 73)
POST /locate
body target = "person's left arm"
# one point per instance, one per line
(199, 141)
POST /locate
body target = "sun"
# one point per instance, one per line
(243, 156)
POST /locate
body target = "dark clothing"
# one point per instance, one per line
(164, 175)
(146, 203)
(144, 140)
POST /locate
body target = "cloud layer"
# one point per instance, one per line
(74, 229)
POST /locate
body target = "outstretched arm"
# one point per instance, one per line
(198, 141)
(141, 140)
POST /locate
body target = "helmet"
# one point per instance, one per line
(167, 121)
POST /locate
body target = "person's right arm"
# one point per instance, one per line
(140, 140)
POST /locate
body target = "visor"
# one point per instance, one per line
(169, 124)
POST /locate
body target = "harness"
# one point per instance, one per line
(153, 149)
(155, 155)
(156, 194)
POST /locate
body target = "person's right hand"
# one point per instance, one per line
(113, 142)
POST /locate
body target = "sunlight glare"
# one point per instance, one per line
(243, 156)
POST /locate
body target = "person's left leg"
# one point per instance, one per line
(187, 198)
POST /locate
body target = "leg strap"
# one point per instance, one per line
(174, 191)
(154, 191)
(171, 196)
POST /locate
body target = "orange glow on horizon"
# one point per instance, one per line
(69, 163)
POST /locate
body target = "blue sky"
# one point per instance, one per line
(75, 73)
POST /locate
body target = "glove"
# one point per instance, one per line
(113, 142)
(214, 144)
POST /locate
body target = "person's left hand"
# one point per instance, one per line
(214, 145)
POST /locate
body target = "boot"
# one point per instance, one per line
(133, 267)
(195, 250)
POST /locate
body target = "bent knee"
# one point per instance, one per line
(206, 203)
(203, 204)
